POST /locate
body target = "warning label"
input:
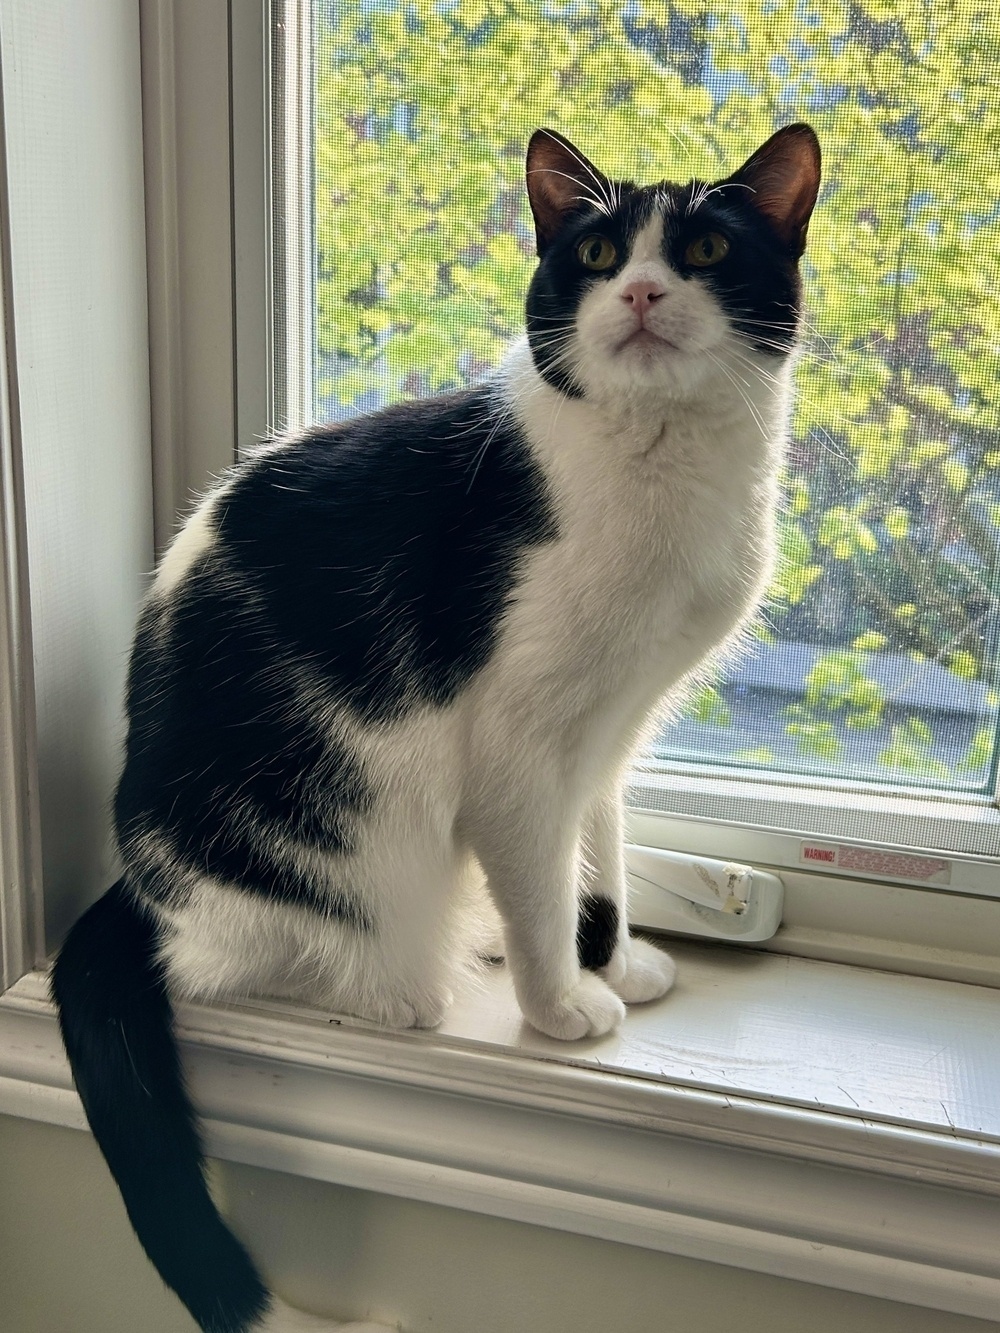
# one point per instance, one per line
(875, 861)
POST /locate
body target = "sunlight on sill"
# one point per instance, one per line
(823, 1036)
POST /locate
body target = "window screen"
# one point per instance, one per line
(878, 656)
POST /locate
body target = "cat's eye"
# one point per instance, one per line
(707, 250)
(597, 253)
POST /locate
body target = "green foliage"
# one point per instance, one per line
(890, 540)
(797, 571)
(709, 707)
(812, 736)
(980, 750)
(869, 642)
(911, 750)
(763, 756)
(838, 684)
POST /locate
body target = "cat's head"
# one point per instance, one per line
(661, 289)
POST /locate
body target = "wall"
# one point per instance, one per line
(68, 1263)
(74, 207)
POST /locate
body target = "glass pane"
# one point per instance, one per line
(879, 655)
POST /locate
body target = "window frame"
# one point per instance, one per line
(74, 435)
(21, 912)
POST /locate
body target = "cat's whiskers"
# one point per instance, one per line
(821, 433)
(481, 451)
(698, 197)
(561, 401)
(608, 189)
(560, 349)
(556, 338)
(765, 376)
(751, 407)
(790, 327)
(770, 383)
(684, 147)
(720, 189)
(474, 299)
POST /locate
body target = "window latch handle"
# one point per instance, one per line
(696, 895)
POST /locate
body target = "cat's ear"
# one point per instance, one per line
(783, 176)
(560, 179)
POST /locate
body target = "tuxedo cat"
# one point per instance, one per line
(394, 658)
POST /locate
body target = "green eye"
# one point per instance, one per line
(707, 250)
(597, 253)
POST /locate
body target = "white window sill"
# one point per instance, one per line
(806, 1119)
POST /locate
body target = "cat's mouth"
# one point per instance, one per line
(645, 337)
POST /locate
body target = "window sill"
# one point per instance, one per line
(805, 1119)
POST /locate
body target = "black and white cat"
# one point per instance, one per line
(395, 656)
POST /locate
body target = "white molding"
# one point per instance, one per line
(292, 257)
(880, 1209)
(769, 813)
(77, 493)
(21, 940)
(187, 152)
(253, 212)
(159, 145)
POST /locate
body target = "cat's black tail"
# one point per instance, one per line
(117, 1024)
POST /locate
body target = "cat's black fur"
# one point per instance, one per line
(377, 556)
(115, 1016)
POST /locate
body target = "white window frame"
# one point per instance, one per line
(75, 533)
(21, 941)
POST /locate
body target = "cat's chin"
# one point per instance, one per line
(646, 343)
(650, 369)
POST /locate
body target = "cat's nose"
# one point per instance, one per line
(640, 295)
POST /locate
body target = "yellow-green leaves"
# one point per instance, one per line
(846, 533)
(890, 534)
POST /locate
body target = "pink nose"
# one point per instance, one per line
(641, 295)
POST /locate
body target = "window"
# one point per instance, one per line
(245, 254)
(868, 710)
(191, 232)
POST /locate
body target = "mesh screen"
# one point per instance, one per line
(879, 653)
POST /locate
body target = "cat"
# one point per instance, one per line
(391, 657)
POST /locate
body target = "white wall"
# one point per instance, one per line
(74, 202)
(68, 1263)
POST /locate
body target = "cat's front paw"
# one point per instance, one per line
(588, 1010)
(639, 972)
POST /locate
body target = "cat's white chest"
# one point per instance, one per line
(668, 540)
(664, 547)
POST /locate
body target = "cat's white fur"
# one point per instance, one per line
(193, 540)
(283, 1318)
(664, 496)
(664, 482)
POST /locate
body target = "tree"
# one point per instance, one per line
(891, 538)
